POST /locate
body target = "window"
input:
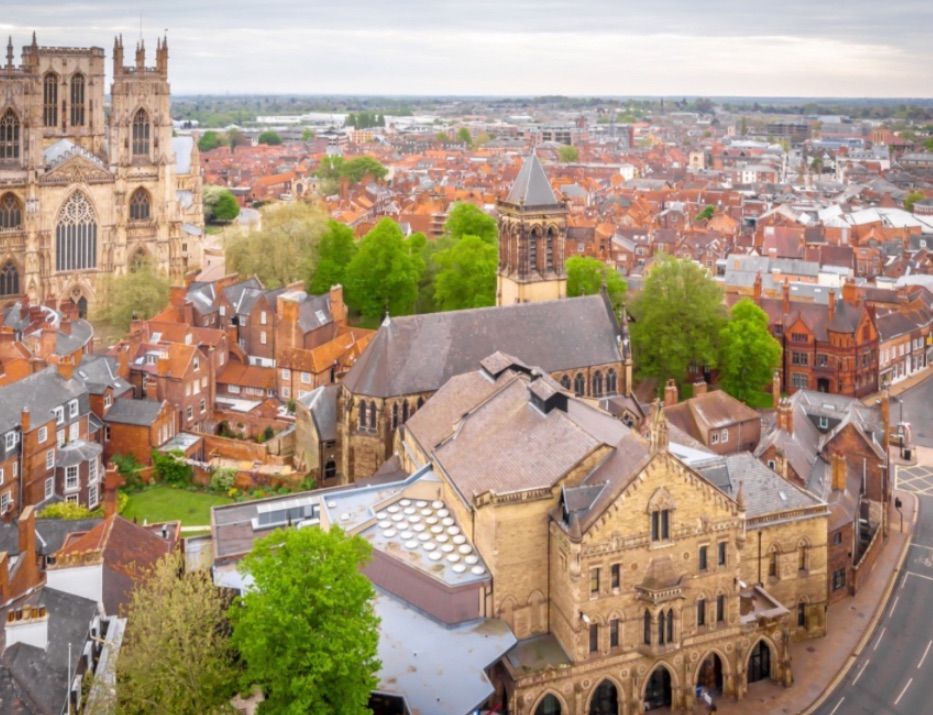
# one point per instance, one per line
(720, 609)
(837, 538)
(533, 251)
(372, 416)
(661, 525)
(71, 498)
(73, 431)
(801, 615)
(702, 561)
(597, 384)
(614, 633)
(139, 205)
(92, 470)
(4, 501)
(73, 408)
(773, 564)
(565, 382)
(262, 337)
(106, 433)
(141, 133)
(594, 637)
(50, 459)
(394, 419)
(579, 385)
(10, 439)
(614, 576)
(822, 359)
(76, 235)
(798, 337)
(549, 250)
(60, 438)
(189, 413)
(108, 400)
(11, 210)
(50, 100)
(799, 380)
(1, 475)
(839, 579)
(611, 382)
(724, 436)
(77, 100)
(670, 625)
(92, 496)
(262, 317)
(286, 374)
(9, 136)
(15, 469)
(306, 378)
(647, 628)
(714, 437)
(59, 415)
(701, 612)
(71, 477)
(798, 358)
(824, 422)
(803, 558)
(49, 487)
(721, 553)
(594, 582)
(203, 406)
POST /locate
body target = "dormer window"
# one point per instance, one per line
(59, 415)
(197, 364)
(73, 408)
(10, 439)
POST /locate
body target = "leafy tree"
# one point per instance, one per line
(307, 630)
(307, 135)
(283, 250)
(678, 316)
(586, 275)
(469, 220)
(748, 355)
(384, 273)
(177, 656)
(220, 205)
(334, 253)
(236, 138)
(359, 168)
(464, 136)
(269, 137)
(140, 293)
(467, 275)
(706, 214)
(210, 140)
(442, 137)
(67, 511)
(569, 154)
(912, 198)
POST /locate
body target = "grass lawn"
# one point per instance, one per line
(163, 503)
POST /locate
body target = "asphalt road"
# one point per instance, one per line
(918, 410)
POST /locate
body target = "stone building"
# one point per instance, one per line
(83, 193)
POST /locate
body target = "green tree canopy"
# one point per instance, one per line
(269, 137)
(469, 220)
(912, 198)
(385, 272)
(283, 250)
(177, 657)
(334, 253)
(236, 138)
(678, 316)
(307, 630)
(464, 136)
(706, 214)
(210, 140)
(220, 206)
(142, 292)
(442, 137)
(748, 355)
(466, 276)
(360, 167)
(307, 135)
(585, 276)
(569, 154)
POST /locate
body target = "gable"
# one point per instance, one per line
(77, 170)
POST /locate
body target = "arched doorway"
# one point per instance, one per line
(822, 384)
(550, 705)
(658, 689)
(759, 662)
(605, 700)
(709, 674)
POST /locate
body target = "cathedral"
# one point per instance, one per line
(89, 190)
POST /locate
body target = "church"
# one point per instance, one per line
(89, 190)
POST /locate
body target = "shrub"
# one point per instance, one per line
(171, 468)
(129, 469)
(268, 433)
(65, 510)
(222, 479)
(308, 483)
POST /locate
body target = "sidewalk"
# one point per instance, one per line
(901, 386)
(821, 663)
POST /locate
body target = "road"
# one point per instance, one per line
(894, 673)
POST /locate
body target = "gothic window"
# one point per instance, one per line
(647, 627)
(9, 136)
(11, 212)
(597, 384)
(549, 250)
(661, 525)
(803, 557)
(141, 133)
(394, 415)
(362, 417)
(773, 563)
(77, 100)
(330, 469)
(405, 412)
(670, 625)
(611, 382)
(139, 205)
(565, 382)
(76, 235)
(533, 250)
(579, 385)
(549, 706)
(420, 402)
(50, 100)
(9, 279)
(372, 416)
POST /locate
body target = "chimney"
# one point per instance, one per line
(670, 392)
(25, 420)
(832, 303)
(838, 467)
(338, 309)
(657, 430)
(112, 481)
(29, 567)
(123, 361)
(850, 292)
(757, 288)
(47, 342)
(65, 366)
(5, 594)
(151, 388)
(786, 295)
(699, 388)
(776, 389)
(785, 416)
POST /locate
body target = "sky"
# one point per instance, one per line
(857, 48)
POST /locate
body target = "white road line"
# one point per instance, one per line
(894, 605)
(861, 670)
(903, 691)
(923, 546)
(833, 711)
(919, 575)
(924, 655)
(880, 636)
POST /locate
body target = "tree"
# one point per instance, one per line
(307, 630)
(177, 656)
(442, 137)
(678, 317)
(467, 275)
(359, 168)
(912, 198)
(748, 355)
(334, 253)
(269, 137)
(706, 214)
(220, 205)
(469, 220)
(210, 140)
(464, 136)
(139, 294)
(586, 275)
(384, 273)
(307, 135)
(283, 250)
(568, 154)
(236, 138)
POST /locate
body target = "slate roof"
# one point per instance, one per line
(419, 353)
(322, 403)
(40, 392)
(76, 452)
(141, 413)
(98, 372)
(532, 187)
(50, 534)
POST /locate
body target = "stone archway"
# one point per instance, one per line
(711, 674)
(760, 662)
(658, 690)
(605, 699)
(550, 704)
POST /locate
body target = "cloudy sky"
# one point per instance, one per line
(858, 48)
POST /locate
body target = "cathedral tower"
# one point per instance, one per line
(532, 233)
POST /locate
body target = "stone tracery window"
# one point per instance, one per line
(9, 279)
(611, 382)
(76, 235)
(141, 133)
(549, 249)
(77, 100)
(579, 385)
(597, 384)
(9, 136)
(139, 205)
(11, 212)
(50, 100)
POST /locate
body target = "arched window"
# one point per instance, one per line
(77, 100)
(773, 562)
(579, 385)
(670, 625)
(141, 133)
(395, 416)
(611, 385)
(549, 250)
(330, 469)
(9, 279)
(139, 205)
(50, 100)
(420, 402)
(803, 559)
(11, 212)
(647, 633)
(405, 412)
(549, 706)
(661, 630)
(605, 700)
(362, 416)
(533, 250)
(9, 136)
(372, 416)
(565, 382)
(76, 235)
(597, 384)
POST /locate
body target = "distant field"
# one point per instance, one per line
(162, 503)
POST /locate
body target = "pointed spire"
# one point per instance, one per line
(9, 52)
(34, 43)
(532, 187)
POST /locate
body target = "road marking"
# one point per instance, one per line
(924, 655)
(833, 711)
(880, 636)
(894, 605)
(903, 691)
(923, 546)
(919, 575)
(861, 670)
